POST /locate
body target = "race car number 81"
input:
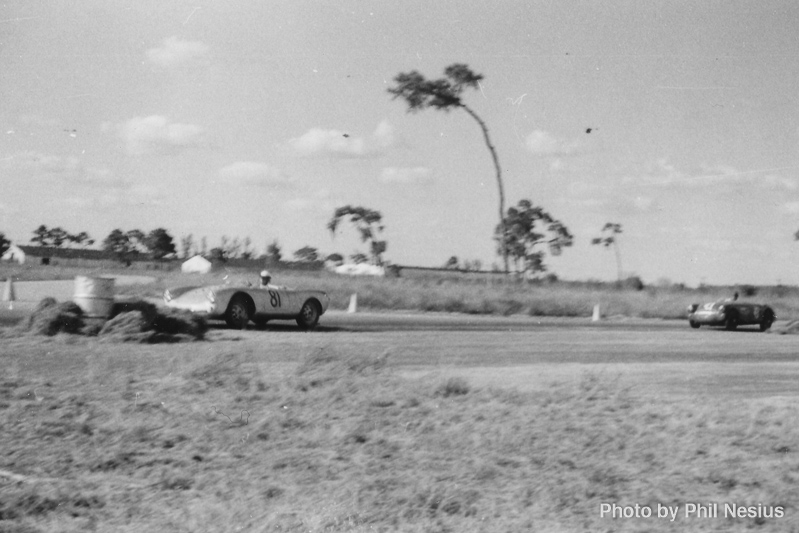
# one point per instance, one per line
(274, 298)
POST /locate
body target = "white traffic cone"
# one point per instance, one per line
(353, 304)
(597, 314)
(8, 293)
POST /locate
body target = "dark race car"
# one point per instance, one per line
(731, 314)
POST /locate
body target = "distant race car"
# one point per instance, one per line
(731, 314)
(238, 303)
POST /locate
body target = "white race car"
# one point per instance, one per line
(239, 303)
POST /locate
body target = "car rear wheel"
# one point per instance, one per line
(309, 315)
(693, 324)
(237, 314)
(731, 323)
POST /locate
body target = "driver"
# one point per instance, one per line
(266, 277)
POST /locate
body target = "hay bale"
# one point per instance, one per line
(92, 328)
(49, 318)
(130, 322)
(141, 322)
(131, 326)
(136, 321)
(45, 303)
(177, 322)
(149, 312)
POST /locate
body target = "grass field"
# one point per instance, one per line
(226, 436)
(460, 293)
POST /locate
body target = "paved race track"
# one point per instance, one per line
(664, 356)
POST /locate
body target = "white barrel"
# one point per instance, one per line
(95, 296)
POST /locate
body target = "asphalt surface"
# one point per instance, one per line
(665, 356)
(397, 321)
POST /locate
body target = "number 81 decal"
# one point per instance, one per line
(274, 298)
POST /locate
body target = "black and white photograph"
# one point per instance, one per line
(416, 266)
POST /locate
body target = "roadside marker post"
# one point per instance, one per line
(8, 293)
(597, 314)
(353, 304)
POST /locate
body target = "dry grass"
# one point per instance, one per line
(222, 441)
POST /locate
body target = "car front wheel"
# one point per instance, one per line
(766, 324)
(309, 315)
(237, 314)
(693, 324)
(731, 323)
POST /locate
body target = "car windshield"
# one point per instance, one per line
(713, 306)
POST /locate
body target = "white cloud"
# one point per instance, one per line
(790, 208)
(407, 176)
(337, 143)
(35, 120)
(320, 202)
(45, 163)
(664, 174)
(780, 182)
(155, 134)
(317, 141)
(69, 168)
(584, 187)
(5, 209)
(643, 203)
(541, 142)
(384, 134)
(175, 51)
(300, 204)
(254, 173)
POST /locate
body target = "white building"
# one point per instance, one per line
(197, 264)
(360, 269)
(14, 253)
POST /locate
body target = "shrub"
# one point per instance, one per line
(633, 282)
(453, 387)
(749, 290)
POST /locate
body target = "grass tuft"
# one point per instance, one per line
(453, 387)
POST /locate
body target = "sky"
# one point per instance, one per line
(676, 119)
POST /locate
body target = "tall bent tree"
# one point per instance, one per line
(444, 94)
